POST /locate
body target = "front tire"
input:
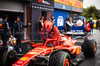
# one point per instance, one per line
(59, 58)
(6, 56)
(3, 52)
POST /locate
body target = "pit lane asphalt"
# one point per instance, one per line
(96, 60)
(87, 61)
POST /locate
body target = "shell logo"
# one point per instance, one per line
(52, 50)
(24, 58)
(78, 51)
(1, 25)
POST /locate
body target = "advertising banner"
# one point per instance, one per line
(45, 2)
(66, 2)
(74, 3)
(77, 3)
(75, 9)
(62, 6)
(60, 17)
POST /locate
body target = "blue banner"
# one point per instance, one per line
(60, 17)
(78, 29)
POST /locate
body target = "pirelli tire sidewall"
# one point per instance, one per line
(4, 56)
(59, 59)
(88, 47)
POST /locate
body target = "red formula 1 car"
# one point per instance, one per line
(66, 53)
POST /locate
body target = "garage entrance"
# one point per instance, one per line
(44, 13)
(12, 17)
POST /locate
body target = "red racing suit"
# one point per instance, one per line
(53, 34)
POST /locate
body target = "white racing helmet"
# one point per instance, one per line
(12, 41)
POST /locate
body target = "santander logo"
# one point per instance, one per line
(44, 2)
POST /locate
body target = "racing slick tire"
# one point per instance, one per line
(6, 56)
(59, 58)
(89, 47)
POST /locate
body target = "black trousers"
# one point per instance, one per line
(19, 38)
(4, 39)
(19, 45)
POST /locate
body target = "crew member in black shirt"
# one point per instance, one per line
(18, 27)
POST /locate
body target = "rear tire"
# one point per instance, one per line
(59, 58)
(89, 47)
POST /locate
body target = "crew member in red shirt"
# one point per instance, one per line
(50, 31)
(87, 26)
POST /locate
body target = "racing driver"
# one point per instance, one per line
(50, 31)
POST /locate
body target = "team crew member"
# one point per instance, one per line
(79, 22)
(50, 31)
(52, 19)
(5, 30)
(97, 22)
(91, 25)
(99, 25)
(18, 27)
(69, 23)
(42, 18)
(40, 26)
(87, 26)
